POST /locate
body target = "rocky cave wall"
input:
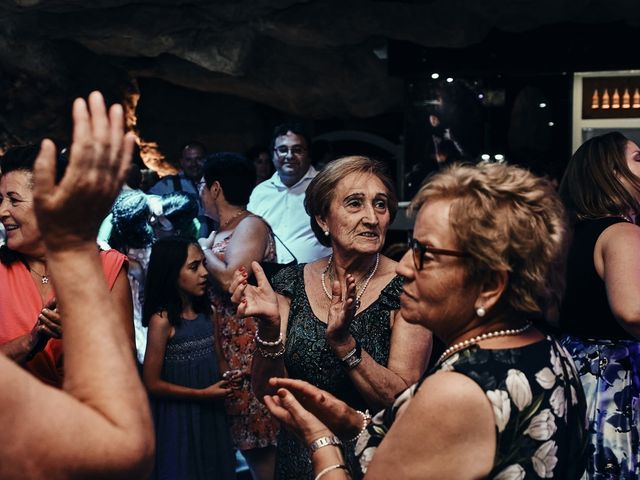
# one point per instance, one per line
(225, 71)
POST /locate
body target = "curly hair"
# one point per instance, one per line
(320, 191)
(508, 220)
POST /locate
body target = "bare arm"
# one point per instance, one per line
(157, 337)
(617, 261)
(248, 244)
(408, 355)
(272, 312)
(410, 348)
(433, 437)
(121, 294)
(103, 402)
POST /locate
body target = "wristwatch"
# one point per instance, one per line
(353, 358)
(323, 442)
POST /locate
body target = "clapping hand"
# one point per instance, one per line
(326, 409)
(341, 313)
(255, 301)
(69, 213)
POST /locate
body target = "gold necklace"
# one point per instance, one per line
(43, 278)
(224, 226)
(372, 272)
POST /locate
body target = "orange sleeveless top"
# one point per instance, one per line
(20, 305)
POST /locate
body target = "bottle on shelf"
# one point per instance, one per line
(615, 103)
(595, 100)
(605, 100)
(626, 99)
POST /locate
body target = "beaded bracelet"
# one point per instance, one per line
(266, 343)
(366, 420)
(329, 469)
(266, 354)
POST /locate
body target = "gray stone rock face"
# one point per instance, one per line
(307, 58)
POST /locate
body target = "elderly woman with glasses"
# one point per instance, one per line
(367, 354)
(503, 401)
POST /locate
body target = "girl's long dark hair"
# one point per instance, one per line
(161, 289)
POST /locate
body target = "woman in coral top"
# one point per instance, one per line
(30, 328)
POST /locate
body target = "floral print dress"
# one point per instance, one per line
(538, 406)
(251, 424)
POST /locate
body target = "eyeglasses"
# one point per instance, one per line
(283, 150)
(419, 251)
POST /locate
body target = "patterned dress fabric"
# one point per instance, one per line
(610, 375)
(538, 407)
(250, 422)
(192, 437)
(607, 358)
(308, 357)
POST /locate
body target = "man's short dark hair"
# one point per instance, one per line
(193, 144)
(293, 127)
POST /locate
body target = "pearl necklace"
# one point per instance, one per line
(485, 336)
(372, 272)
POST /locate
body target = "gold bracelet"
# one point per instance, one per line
(330, 468)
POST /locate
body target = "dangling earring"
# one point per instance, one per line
(326, 233)
(481, 312)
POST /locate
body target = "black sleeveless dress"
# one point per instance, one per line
(309, 357)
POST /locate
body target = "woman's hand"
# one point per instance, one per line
(260, 301)
(286, 408)
(338, 417)
(50, 324)
(218, 391)
(341, 313)
(69, 213)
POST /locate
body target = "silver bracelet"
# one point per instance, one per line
(267, 343)
(366, 420)
(330, 468)
(266, 354)
(318, 443)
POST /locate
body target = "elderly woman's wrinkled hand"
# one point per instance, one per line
(341, 313)
(255, 301)
(69, 213)
(339, 417)
(288, 410)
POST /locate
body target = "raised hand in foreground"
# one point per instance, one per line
(99, 425)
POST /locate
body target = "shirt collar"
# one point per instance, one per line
(275, 179)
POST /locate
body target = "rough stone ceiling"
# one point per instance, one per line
(311, 58)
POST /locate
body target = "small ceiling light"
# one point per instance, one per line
(435, 75)
(480, 96)
(499, 157)
(543, 105)
(449, 80)
(485, 156)
(551, 124)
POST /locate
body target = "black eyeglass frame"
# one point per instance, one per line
(299, 150)
(418, 250)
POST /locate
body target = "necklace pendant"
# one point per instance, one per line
(45, 279)
(356, 305)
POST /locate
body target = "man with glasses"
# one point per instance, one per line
(279, 200)
(192, 155)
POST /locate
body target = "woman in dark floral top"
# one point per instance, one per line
(503, 400)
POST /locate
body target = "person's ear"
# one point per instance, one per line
(491, 291)
(322, 224)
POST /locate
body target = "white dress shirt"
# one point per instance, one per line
(283, 208)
